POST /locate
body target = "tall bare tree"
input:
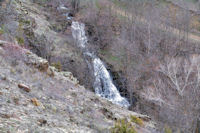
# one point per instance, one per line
(75, 5)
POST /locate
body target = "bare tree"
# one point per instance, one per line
(183, 73)
(75, 5)
(151, 47)
(180, 85)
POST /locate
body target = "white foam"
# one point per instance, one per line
(103, 83)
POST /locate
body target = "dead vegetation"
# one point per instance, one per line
(153, 48)
(149, 43)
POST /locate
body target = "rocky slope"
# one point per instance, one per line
(35, 97)
(45, 31)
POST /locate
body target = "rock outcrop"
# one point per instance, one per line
(36, 26)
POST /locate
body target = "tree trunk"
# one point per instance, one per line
(198, 127)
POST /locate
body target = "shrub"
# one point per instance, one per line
(1, 31)
(137, 120)
(57, 65)
(20, 40)
(168, 129)
(123, 126)
(22, 21)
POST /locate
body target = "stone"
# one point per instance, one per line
(12, 27)
(7, 116)
(53, 108)
(67, 74)
(50, 72)
(35, 102)
(16, 100)
(24, 87)
(42, 122)
(2, 77)
(38, 62)
(43, 65)
(7, 88)
(3, 42)
(2, 50)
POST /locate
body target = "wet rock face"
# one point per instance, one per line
(118, 77)
(119, 81)
(103, 84)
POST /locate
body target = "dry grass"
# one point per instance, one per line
(137, 120)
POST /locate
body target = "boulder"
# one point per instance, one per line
(24, 87)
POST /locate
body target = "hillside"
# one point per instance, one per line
(36, 98)
(116, 66)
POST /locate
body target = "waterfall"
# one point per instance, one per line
(103, 83)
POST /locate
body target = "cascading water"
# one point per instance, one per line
(103, 83)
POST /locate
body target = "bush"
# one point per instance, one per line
(20, 40)
(137, 120)
(168, 129)
(123, 126)
(57, 65)
(1, 31)
(22, 21)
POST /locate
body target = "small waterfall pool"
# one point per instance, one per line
(103, 83)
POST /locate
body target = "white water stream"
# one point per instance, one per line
(103, 83)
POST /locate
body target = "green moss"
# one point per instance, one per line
(57, 65)
(137, 120)
(1, 31)
(114, 58)
(20, 32)
(168, 129)
(123, 126)
(8, 101)
(20, 40)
